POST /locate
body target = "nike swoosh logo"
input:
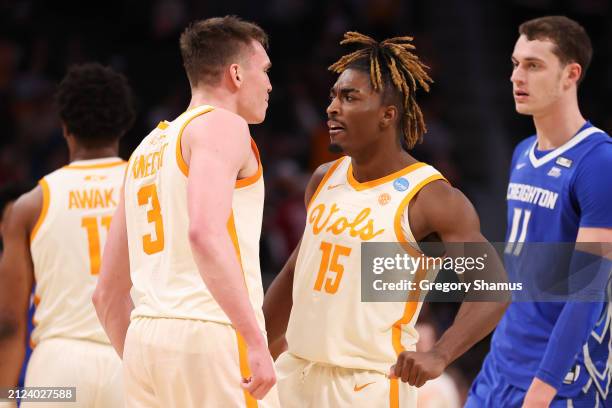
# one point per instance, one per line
(520, 166)
(361, 387)
(334, 186)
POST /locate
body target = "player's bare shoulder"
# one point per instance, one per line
(315, 180)
(216, 124)
(439, 208)
(437, 192)
(27, 209)
(220, 132)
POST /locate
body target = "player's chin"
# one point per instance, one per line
(340, 147)
(257, 119)
(523, 109)
(336, 145)
(335, 148)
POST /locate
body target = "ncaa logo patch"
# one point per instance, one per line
(401, 184)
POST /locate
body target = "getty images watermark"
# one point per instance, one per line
(479, 272)
(411, 265)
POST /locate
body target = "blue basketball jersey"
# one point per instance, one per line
(550, 196)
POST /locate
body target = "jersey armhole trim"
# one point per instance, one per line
(326, 177)
(45, 208)
(400, 210)
(247, 181)
(180, 161)
(412, 303)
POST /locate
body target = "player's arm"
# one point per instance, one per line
(111, 298)
(592, 259)
(277, 305)
(278, 300)
(16, 279)
(577, 318)
(441, 209)
(217, 148)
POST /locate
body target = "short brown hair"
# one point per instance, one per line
(209, 45)
(572, 43)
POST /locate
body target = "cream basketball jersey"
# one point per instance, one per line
(329, 324)
(164, 274)
(66, 244)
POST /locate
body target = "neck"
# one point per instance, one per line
(219, 97)
(558, 125)
(379, 160)
(89, 153)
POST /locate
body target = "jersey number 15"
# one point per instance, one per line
(329, 262)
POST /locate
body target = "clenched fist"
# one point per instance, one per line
(416, 368)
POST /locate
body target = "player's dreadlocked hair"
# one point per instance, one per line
(391, 63)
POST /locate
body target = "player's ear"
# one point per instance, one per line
(235, 73)
(573, 72)
(388, 116)
(69, 137)
(65, 132)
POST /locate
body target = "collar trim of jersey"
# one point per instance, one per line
(373, 183)
(95, 163)
(535, 162)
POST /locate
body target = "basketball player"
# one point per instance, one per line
(190, 223)
(54, 236)
(341, 351)
(553, 353)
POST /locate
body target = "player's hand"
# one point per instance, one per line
(416, 368)
(539, 394)
(263, 376)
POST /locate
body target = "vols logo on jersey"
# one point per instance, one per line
(401, 184)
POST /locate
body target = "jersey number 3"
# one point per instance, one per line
(148, 194)
(331, 252)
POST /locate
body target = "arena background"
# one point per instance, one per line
(469, 111)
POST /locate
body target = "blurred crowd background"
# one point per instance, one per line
(469, 111)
